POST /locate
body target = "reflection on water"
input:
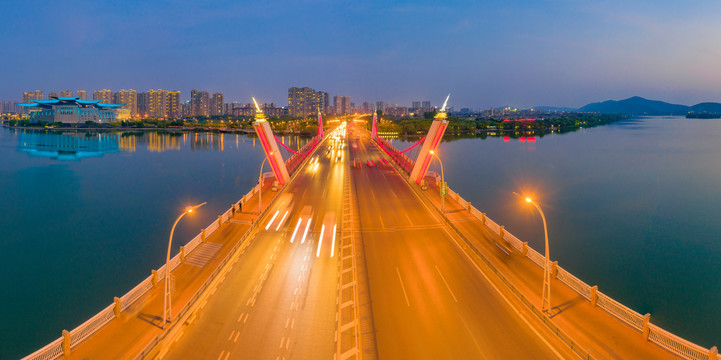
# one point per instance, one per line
(67, 147)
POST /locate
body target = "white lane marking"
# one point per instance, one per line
(296, 230)
(332, 249)
(246, 318)
(235, 340)
(282, 341)
(305, 233)
(402, 286)
(392, 192)
(409, 219)
(240, 317)
(281, 221)
(446, 282)
(320, 240)
(272, 219)
(503, 296)
(287, 321)
(382, 224)
(231, 335)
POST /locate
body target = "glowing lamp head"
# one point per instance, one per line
(431, 152)
(190, 210)
(529, 200)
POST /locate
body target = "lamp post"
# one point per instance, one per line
(546, 297)
(260, 181)
(443, 181)
(166, 294)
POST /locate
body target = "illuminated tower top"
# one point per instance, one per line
(259, 116)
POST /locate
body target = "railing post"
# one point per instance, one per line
(220, 221)
(117, 307)
(594, 295)
(202, 235)
(712, 353)
(501, 231)
(154, 279)
(483, 218)
(66, 343)
(554, 269)
(524, 248)
(182, 254)
(469, 206)
(646, 321)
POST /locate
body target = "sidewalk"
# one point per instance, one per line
(599, 333)
(129, 334)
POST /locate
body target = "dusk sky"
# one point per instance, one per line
(518, 53)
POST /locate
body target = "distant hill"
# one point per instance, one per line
(706, 108)
(637, 106)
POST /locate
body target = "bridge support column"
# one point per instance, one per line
(554, 269)
(118, 304)
(594, 295)
(713, 353)
(270, 146)
(435, 134)
(646, 321)
(154, 279)
(182, 254)
(66, 343)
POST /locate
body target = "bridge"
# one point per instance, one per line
(347, 250)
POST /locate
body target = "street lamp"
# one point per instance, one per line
(260, 181)
(546, 297)
(166, 295)
(443, 181)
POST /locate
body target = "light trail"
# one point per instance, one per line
(305, 233)
(332, 249)
(281, 221)
(296, 230)
(272, 219)
(320, 241)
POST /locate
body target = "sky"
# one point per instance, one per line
(517, 53)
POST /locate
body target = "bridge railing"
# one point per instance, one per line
(672, 343)
(75, 337)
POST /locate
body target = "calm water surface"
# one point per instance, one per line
(631, 207)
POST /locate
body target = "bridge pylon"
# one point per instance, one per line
(321, 134)
(374, 132)
(435, 134)
(270, 146)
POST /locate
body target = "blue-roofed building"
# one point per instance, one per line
(71, 110)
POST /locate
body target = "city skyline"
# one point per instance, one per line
(520, 54)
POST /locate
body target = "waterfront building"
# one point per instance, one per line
(82, 94)
(104, 96)
(143, 102)
(200, 102)
(157, 104)
(306, 101)
(52, 95)
(216, 104)
(66, 93)
(130, 99)
(71, 110)
(174, 105)
(30, 96)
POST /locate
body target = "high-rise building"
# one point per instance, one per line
(200, 102)
(66, 93)
(38, 95)
(52, 95)
(143, 105)
(174, 105)
(342, 105)
(82, 94)
(380, 106)
(157, 104)
(216, 104)
(29, 96)
(426, 105)
(130, 100)
(306, 101)
(105, 96)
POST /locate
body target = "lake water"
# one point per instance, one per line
(631, 207)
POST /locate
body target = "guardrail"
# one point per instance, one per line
(71, 339)
(641, 323)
